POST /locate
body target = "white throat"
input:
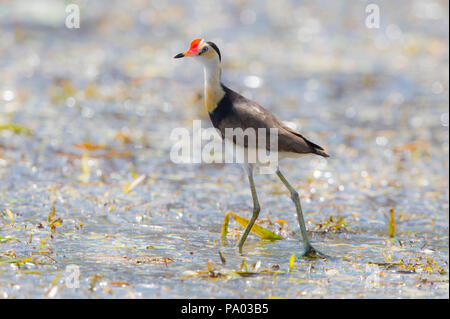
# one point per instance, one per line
(213, 89)
(212, 72)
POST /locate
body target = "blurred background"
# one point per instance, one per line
(85, 112)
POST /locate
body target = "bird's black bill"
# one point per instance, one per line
(179, 55)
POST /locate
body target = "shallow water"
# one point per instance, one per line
(377, 99)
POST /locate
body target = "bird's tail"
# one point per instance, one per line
(321, 152)
(317, 149)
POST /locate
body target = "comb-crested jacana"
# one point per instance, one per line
(228, 109)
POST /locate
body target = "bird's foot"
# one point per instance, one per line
(239, 246)
(312, 253)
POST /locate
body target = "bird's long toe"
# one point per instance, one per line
(313, 253)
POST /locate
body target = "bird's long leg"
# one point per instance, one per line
(309, 249)
(256, 209)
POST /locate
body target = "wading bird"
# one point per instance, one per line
(228, 109)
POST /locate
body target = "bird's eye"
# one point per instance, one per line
(204, 49)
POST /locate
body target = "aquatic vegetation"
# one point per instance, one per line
(392, 223)
(256, 229)
(333, 225)
(16, 128)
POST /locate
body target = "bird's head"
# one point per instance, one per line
(205, 52)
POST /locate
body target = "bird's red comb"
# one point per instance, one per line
(195, 43)
(194, 47)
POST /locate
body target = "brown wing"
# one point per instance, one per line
(244, 113)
